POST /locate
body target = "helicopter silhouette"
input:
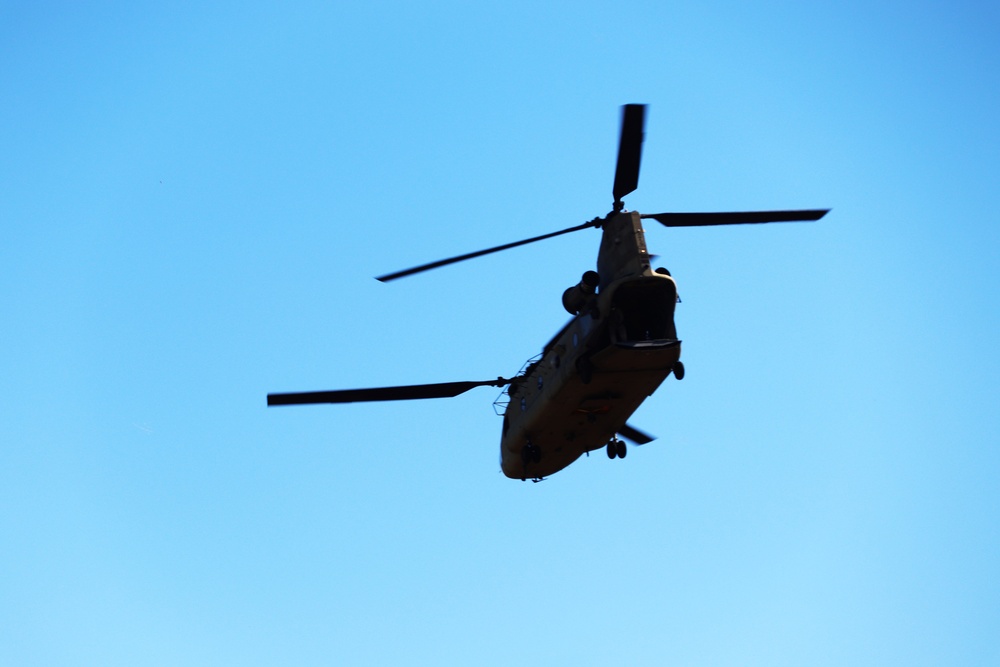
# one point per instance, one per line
(620, 345)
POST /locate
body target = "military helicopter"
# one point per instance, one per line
(619, 346)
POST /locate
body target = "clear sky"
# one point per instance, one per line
(195, 198)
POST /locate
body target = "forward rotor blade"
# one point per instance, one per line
(629, 150)
(479, 253)
(635, 435)
(736, 218)
(404, 393)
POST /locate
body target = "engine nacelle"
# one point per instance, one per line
(575, 299)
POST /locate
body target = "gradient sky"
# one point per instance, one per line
(194, 200)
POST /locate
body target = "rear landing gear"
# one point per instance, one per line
(617, 449)
(679, 370)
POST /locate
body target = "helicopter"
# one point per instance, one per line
(621, 343)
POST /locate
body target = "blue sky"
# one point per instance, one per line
(194, 200)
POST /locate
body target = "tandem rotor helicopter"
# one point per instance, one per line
(620, 344)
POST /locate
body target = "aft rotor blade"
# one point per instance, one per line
(479, 253)
(404, 393)
(735, 218)
(635, 435)
(629, 150)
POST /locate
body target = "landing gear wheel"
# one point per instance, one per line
(612, 450)
(620, 449)
(679, 370)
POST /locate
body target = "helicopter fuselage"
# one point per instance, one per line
(600, 367)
